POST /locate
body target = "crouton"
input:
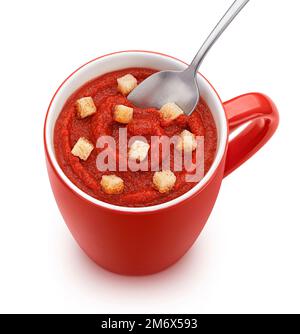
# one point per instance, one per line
(85, 107)
(164, 181)
(126, 84)
(82, 149)
(170, 111)
(112, 184)
(123, 114)
(138, 150)
(187, 141)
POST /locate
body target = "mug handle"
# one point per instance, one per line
(262, 115)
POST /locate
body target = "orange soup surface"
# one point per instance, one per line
(138, 189)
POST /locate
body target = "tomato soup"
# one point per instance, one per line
(137, 187)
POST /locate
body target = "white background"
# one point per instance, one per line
(247, 257)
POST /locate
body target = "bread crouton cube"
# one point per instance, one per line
(164, 181)
(85, 107)
(186, 142)
(112, 184)
(138, 150)
(126, 84)
(82, 149)
(123, 114)
(170, 111)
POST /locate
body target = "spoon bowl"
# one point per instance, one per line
(163, 87)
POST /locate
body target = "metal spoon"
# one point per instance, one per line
(181, 87)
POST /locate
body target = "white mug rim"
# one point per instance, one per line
(222, 139)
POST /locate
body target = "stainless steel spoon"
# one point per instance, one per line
(181, 87)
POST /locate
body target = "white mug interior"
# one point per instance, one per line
(117, 61)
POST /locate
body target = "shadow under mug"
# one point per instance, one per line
(140, 241)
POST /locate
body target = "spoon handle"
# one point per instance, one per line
(231, 13)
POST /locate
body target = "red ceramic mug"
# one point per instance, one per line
(139, 241)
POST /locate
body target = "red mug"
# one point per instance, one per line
(140, 241)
